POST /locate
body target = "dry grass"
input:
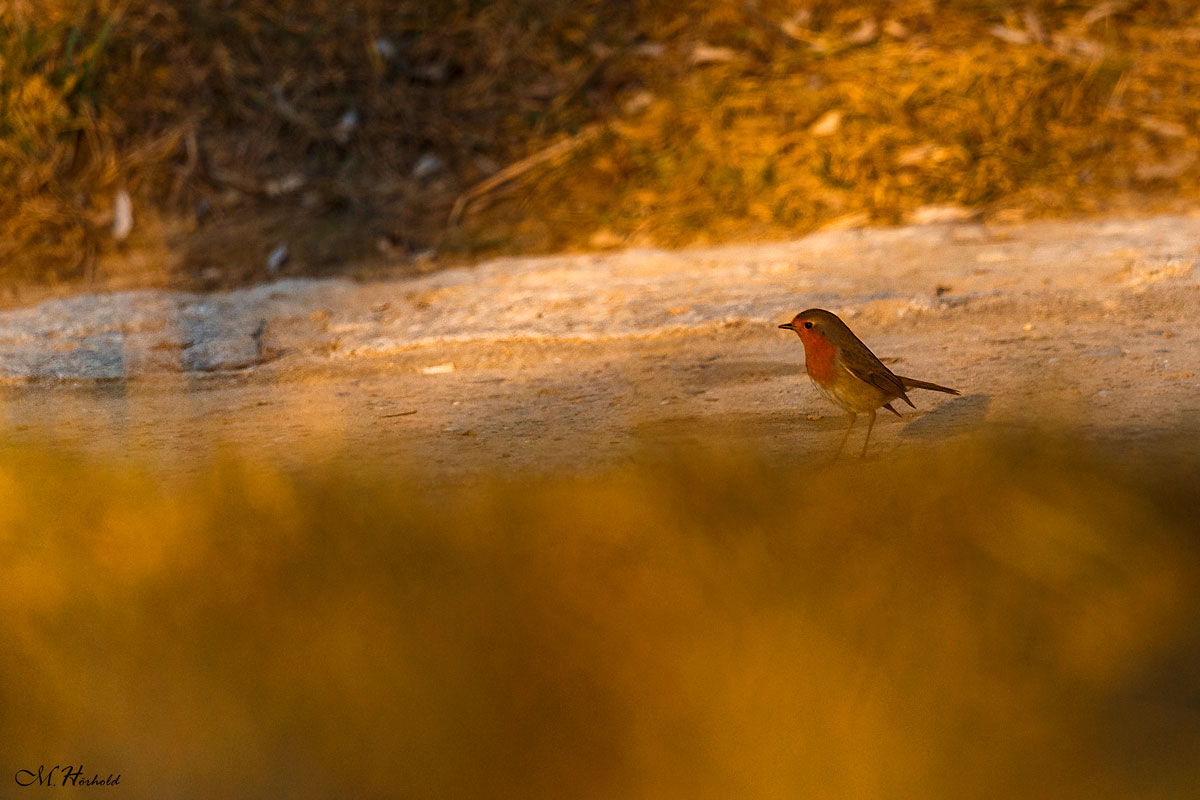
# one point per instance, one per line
(991, 620)
(720, 121)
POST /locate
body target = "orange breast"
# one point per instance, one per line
(818, 358)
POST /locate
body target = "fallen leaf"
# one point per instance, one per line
(122, 216)
(707, 54)
(827, 124)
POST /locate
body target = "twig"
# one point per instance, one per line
(514, 171)
(1102, 11)
(751, 9)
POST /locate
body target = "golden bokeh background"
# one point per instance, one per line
(998, 618)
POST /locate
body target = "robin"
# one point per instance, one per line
(847, 372)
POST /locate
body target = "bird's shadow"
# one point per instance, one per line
(963, 412)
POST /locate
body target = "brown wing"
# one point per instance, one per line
(862, 364)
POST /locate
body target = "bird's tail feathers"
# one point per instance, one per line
(913, 383)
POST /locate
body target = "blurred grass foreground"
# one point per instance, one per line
(997, 619)
(150, 142)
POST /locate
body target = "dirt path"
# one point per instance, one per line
(569, 362)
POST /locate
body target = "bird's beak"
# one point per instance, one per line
(787, 326)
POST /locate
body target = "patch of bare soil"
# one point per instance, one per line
(578, 362)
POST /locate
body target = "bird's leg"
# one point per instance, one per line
(870, 424)
(842, 446)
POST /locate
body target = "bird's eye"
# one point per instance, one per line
(808, 324)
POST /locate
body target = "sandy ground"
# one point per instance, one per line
(580, 362)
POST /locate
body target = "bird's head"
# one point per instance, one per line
(816, 325)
